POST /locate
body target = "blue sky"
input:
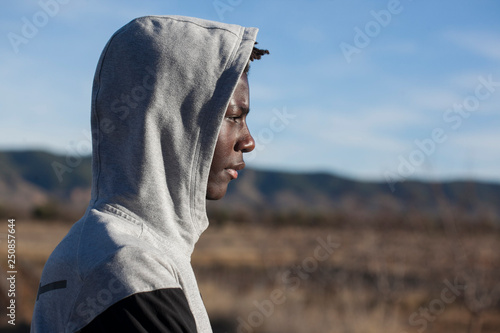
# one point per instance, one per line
(379, 90)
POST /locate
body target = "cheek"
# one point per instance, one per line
(224, 146)
(226, 143)
(216, 160)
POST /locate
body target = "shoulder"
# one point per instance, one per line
(129, 270)
(161, 310)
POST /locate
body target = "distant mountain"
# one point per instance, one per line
(31, 178)
(53, 173)
(321, 189)
(346, 200)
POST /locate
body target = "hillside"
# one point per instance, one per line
(30, 179)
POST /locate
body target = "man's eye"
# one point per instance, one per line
(234, 118)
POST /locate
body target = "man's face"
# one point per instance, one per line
(234, 140)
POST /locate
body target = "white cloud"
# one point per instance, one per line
(369, 129)
(484, 43)
(433, 98)
(482, 143)
(262, 92)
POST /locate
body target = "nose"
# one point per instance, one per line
(246, 143)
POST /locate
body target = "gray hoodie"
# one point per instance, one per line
(160, 92)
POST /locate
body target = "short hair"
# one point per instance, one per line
(256, 54)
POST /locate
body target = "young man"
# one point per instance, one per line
(169, 106)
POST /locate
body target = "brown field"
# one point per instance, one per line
(262, 279)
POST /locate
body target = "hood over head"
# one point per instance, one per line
(160, 92)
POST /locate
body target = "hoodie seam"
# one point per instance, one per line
(113, 210)
(199, 25)
(108, 209)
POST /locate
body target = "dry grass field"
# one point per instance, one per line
(262, 279)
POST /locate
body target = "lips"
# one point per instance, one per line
(233, 170)
(233, 173)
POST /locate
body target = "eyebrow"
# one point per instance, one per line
(244, 110)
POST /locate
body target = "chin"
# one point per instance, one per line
(216, 193)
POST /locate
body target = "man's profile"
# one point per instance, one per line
(169, 104)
